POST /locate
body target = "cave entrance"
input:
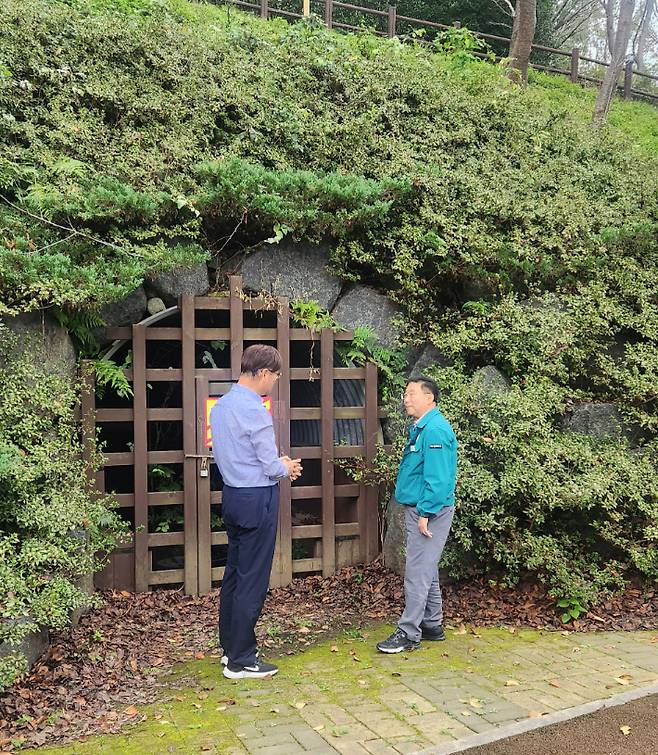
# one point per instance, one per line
(158, 461)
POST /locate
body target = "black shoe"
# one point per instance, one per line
(258, 670)
(433, 635)
(398, 642)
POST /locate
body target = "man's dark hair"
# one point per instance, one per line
(427, 386)
(260, 356)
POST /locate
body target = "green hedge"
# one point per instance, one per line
(509, 230)
(53, 528)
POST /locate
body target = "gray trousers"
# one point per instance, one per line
(422, 593)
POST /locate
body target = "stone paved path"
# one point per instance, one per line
(345, 697)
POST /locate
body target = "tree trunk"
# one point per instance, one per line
(645, 28)
(610, 7)
(622, 36)
(523, 34)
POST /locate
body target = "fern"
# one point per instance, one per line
(109, 373)
(82, 326)
(309, 314)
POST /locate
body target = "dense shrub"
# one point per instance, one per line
(53, 527)
(511, 232)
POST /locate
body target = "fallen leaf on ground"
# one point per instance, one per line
(475, 703)
(554, 683)
(534, 714)
(624, 679)
(318, 728)
(300, 705)
(511, 683)
(625, 730)
(334, 648)
(131, 710)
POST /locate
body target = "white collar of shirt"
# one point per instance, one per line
(424, 415)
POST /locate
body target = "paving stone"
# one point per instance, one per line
(271, 740)
(379, 747)
(310, 740)
(282, 749)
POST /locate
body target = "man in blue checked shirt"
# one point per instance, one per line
(426, 488)
(245, 450)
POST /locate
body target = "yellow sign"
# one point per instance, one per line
(210, 402)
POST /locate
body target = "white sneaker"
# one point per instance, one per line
(259, 670)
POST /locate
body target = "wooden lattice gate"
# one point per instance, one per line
(159, 465)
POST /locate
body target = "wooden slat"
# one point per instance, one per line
(307, 564)
(305, 531)
(237, 326)
(369, 519)
(327, 434)
(160, 374)
(222, 374)
(190, 470)
(157, 414)
(211, 302)
(219, 538)
(260, 334)
(118, 459)
(95, 479)
(349, 490)
(165, 538)
(212, 334)
(345, 452)
(163, 334)
(166, 457)
(124, 500)
(203, 491)
(166, 498)
(165, 375)
(340, 412)
(284, 539)
(215, 497)
(340, 373)
(166, 577)
(304, 373)
(140, 466)
(306, 452)
(218, 573)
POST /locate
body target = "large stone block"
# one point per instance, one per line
(44, 342)
(364, 307)
(122, 312)
(492, 380)
(395, 540)
(32, 646)
(298, 271)
(125, 311)
(597, 420)
(190, 281)
(425, 358)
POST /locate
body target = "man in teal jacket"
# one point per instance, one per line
(426, 488)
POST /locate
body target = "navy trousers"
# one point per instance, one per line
(251, 516)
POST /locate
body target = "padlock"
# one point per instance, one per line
(203, 471)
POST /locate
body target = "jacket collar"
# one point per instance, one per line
(420, 423)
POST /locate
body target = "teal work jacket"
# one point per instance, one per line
(428, 471)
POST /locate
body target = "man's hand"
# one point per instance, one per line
(422, 526)
(294, 467)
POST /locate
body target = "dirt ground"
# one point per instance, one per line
(600, 733)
